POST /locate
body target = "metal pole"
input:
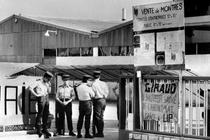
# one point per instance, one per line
(139, 76)
(181, 105)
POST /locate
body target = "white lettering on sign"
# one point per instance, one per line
(160, 100)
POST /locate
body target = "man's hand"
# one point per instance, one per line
(65, 103)
(39, 95)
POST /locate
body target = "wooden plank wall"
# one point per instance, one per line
(118, 37)
(24, 41)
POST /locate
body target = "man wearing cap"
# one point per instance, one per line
(85, 95)
(41, 90)
(64, 97)
(101, 91)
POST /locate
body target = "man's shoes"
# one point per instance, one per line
(88, 136)
(46, 133)
(99, 135)
(46, 136)
(79, 135)
(72, 134)
(55, 134)
(39, 133)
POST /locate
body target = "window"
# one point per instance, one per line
(130, 50)
(197, 48)
(11, 104)
(196, 8)
(62, 52)
(104, 51)
(203, 48)
(190, 48)
(87, 51)
(49, 52)
(115, 51)
(74, 51)
(122, 51)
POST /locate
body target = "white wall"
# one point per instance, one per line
(100, 60)
(199, 64)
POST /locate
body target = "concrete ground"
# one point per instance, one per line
(109, 134)
(110, 128)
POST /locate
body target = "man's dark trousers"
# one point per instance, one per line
(43, 112)
(85, 110)
(61, 113)
(98, 115)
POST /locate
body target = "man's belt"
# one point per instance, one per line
(84, 100)
(64, 99)
(98, 98)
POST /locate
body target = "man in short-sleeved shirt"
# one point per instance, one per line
(64, 97)
(99, 104)
(41, 91)
(85, 95)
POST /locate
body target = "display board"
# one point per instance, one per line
(159, 27)
(158, 16)
(144, 55)
(173, 44)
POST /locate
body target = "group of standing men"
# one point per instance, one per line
(91, 93)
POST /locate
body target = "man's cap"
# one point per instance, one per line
(87, 77)
(97, 72)
(48, 74)
(65, 77)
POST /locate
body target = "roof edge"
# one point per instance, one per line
(116, 27)
(45, 23)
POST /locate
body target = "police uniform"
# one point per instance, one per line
(41, 90)
(101, 91)
(65, 94)
(85, 95)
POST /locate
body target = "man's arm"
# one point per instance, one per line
(33, 92)
(57, 98)
(72, 96)
(114, 89)
(106, 90)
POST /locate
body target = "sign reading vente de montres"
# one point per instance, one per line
(160, 100)
(158, 16)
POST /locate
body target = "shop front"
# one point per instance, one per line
(164, 105)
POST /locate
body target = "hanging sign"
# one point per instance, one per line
(158, 16)
(160, 100)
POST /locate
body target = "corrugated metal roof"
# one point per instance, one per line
(7, 69)
(84, 26)
(77, 24)
(108, 72)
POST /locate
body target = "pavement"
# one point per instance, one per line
(109, 134)
(110, 128)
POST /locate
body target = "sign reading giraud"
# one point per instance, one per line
(160, 100)
(158, 16)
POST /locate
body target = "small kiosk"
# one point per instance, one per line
(164, 105)
(163, 100)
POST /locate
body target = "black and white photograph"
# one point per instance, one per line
(104, 69)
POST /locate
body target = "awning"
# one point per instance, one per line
(108, 72)
(7, 69)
